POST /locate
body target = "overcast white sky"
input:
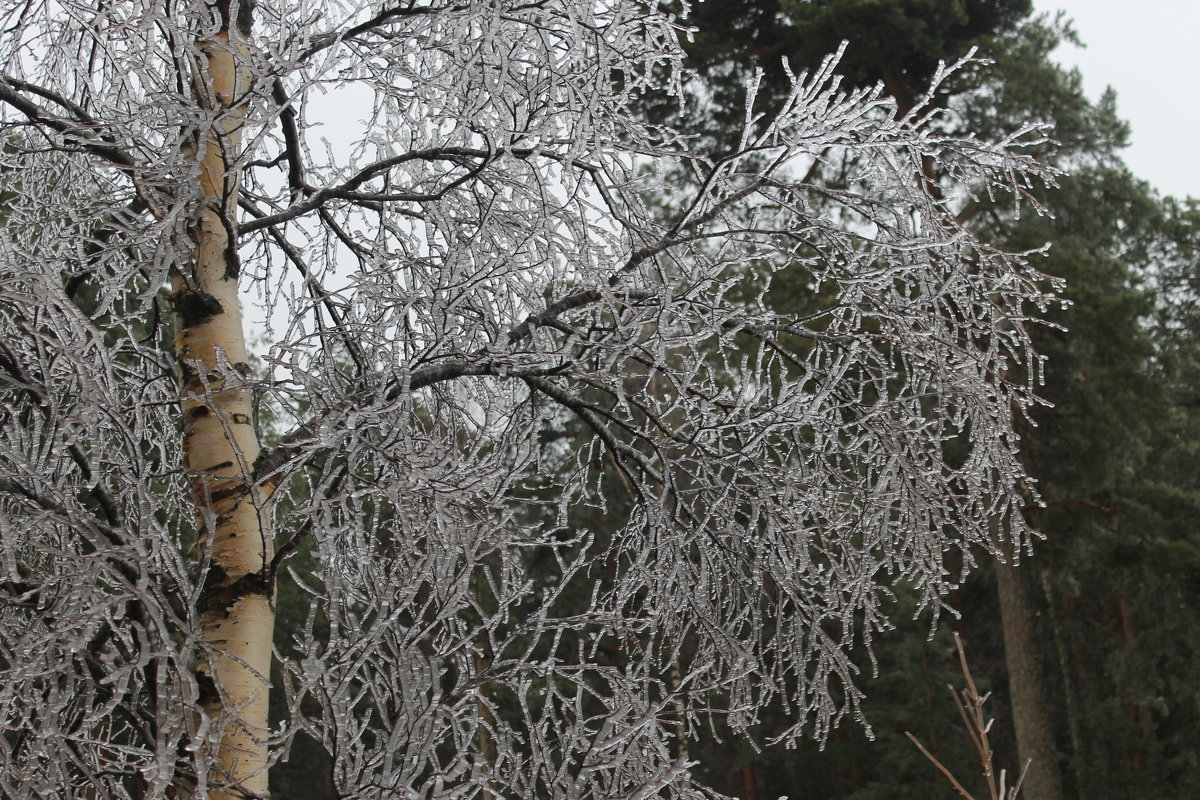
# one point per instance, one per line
(1149, 51)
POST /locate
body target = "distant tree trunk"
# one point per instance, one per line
(1071, 709)
(1031, 717)
(1135, 711)
(220, 447)
(749, 782)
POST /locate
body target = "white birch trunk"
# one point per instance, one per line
(220, 447)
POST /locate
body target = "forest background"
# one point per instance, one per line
(1088, 647)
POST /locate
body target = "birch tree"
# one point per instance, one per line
(446, 220)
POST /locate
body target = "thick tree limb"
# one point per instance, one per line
(81, 131)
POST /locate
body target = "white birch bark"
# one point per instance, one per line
(220, 446)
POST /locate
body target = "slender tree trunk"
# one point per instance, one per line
(220, 446)
(1031, 718)
(1135, 712)
(749, 782)
(1071, 709)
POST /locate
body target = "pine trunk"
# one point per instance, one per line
(220, 446)
(1053, 599)
(1031, 718)
(749, 782)
(1135, 712)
